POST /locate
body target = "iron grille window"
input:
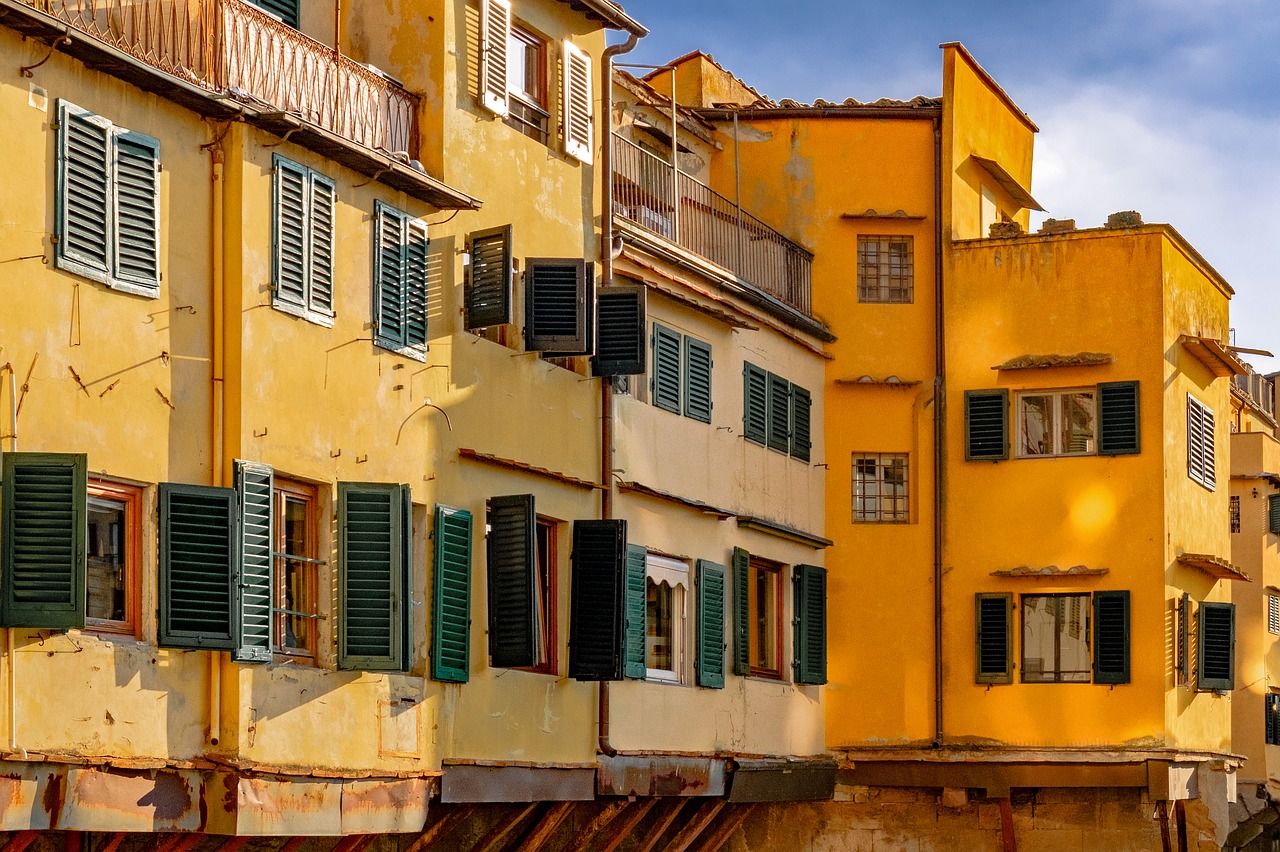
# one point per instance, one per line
(885, 269)
(1235, 514)
(880, 488)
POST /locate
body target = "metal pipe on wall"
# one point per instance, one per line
(939, 429)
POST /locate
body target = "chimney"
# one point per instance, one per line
(1124, 219)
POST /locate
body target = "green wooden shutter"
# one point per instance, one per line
(199, 536)
(710, 621)
(488, 281)
(809, 604)
(1273, 514)
(137, 210)
(994, 635)
(320, 260)
(285, 10)
(779, 413)
(289, 249)
(1111, 637)
(512, 553)
(389, 277)
(697, 380)
(665, 384)
(1184, 639)
(801, 403)
(596, 599)
(1215, 647)
(254, 484)
(451, 596)
(1119, 431)
(559, 300)
(372, 562)
(986, 429)
(755, 404)
(84, 189)
(620, 325)
(415, 284)
(635, 609)
(741, 612)
(42, 561)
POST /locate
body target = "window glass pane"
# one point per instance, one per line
(765, 601)
(542, 591)
(298, 584)
(106, 560)
(1035, 435)
(1055, 639)
(1077, 423)
(660, 621)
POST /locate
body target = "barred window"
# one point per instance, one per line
(885, 269)
(1235, 514)
(880, 488)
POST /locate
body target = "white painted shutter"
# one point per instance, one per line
(495, 27)
(577, 115)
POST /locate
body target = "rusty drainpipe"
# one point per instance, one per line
(606, 280)
(939, 428)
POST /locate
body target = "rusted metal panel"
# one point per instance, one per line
(517, 784)
(296, 807)
(783, 781)
(137, 800)
(385, 806)
(23, 790)
(659, 775)
(992, 776)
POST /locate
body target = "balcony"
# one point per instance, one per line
(654, 194)
(1259, 389)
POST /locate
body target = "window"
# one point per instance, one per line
(1273, 514)
(544, 589)
(1200, 462)
(296, 593)
(764, 592)
(285, 10)
(527, 104)
(599, 603)
(302, 262)
(489, 274)
(776, 413)
(112, 557)
(1234, 510)
(620, 326)
(559, 306)
(1054, 422)
(1057, 423)
(108, 219)
(522, 562)
(880, 488)
(994, 629)
(681, 381)
(885, 269)
(1273, 613)
(1215, 647)
(400, 282)
(1055, 638)
(666, 618)
(1272, 709)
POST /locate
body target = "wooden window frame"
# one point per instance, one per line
(283, 490)
(529, 111)
(757, 567)
(130, 496)
(1057, 395)
(881, 283)
(546, 547)
(1055, 674)
(682, 594)
(881, 514)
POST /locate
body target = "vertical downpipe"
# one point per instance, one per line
(218, 424)
(939, 428)
(14, 748)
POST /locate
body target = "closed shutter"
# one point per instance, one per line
(620, 325)
(1272, 710)
(451, 596)
(801, 403)
(1200, 443)
(1273, 514)
(595, 605)
(416, 247)
(755, 404)
(137, 210)
(372, 562)
(495, 24)
(994, 634)
(290, 247)
(810, 618)
(577, 117)
(986, 415)
(1215, 652)
(488, 282)
(710, 621)
(323, 197)
(285, 10)
(513, 602)
(635, 609)
(665, 384)
(199, 534)
(558, 300)
(779, 414)
(254, 484)
(741, 612)
(84, 190)
(697, 380)
(1111, 637)
(389, 277)
(43, 531)
(1119, 431)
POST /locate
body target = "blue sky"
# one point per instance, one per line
(1168, 107)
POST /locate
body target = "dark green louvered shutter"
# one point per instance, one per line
(665, 385)
(697, 380)
(513, 599)
(488, 282)
(84, 189)
(809, 587)
(635, 609)
(43, 532)
(755, 404)
(1119, 431)
(741, 612)
(1272, 709)
(320, 260)
(289, 250)
(1215, 651)
(779, 413)
(1273, 514)
(451, 596)
(596, 600)
(710, 621)
(986, 430)
(801, 403)
(620, 325)
(253, 616)
(416, 248)
(1184, 639)
(994, 634)
(199, 538)
(373, 559)
(137, 211)
(285, 10)
(559, 305)
(389, 277)
(1111, 637)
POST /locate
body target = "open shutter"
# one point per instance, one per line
(415, 284)
(577, 117)
(620, 325)
(253, 616)
(1184, 639)
(810, 620)
(199, 544)
(559, 299)
(755, 404)
(389, 277)
(1273, 514)
(1272, 709)
(323, 197)
(779, 413)
(994, 634)
(1216, 642)
(741, 612)
(43, 532)
(290, 245)
(84, 189)
(801, 403)
(635, 609)
(665, 386)
(137, 211)
(1119, 431)
(451, 596)
(285, 10)
(596, 600)
(1111, 637)
(710, 644)
(986, 429)
(513, 602)
(372, 562)
(495, 25)
(697, 380)
(488, 282)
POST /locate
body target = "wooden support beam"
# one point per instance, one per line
(232, 844)
(454, 814)
(627, 824)
(114, 843)
(1162, 817)
(21, 841)
(598, 823)
(731, 819)
(659, 828)
(74, 841)
(351, 843)
(702, 817)
(1006, 826)
(498, 835)
(292, 844)
(547, 826)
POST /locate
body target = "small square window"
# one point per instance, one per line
(113, 555)
(1055, 639)
(880, 488)
(1057, 423)
(885, 269)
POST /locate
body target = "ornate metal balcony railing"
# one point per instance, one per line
(230, 46)
(652, 192)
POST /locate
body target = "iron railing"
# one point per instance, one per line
(1259, 389)
(655, 194)
(228, 46)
